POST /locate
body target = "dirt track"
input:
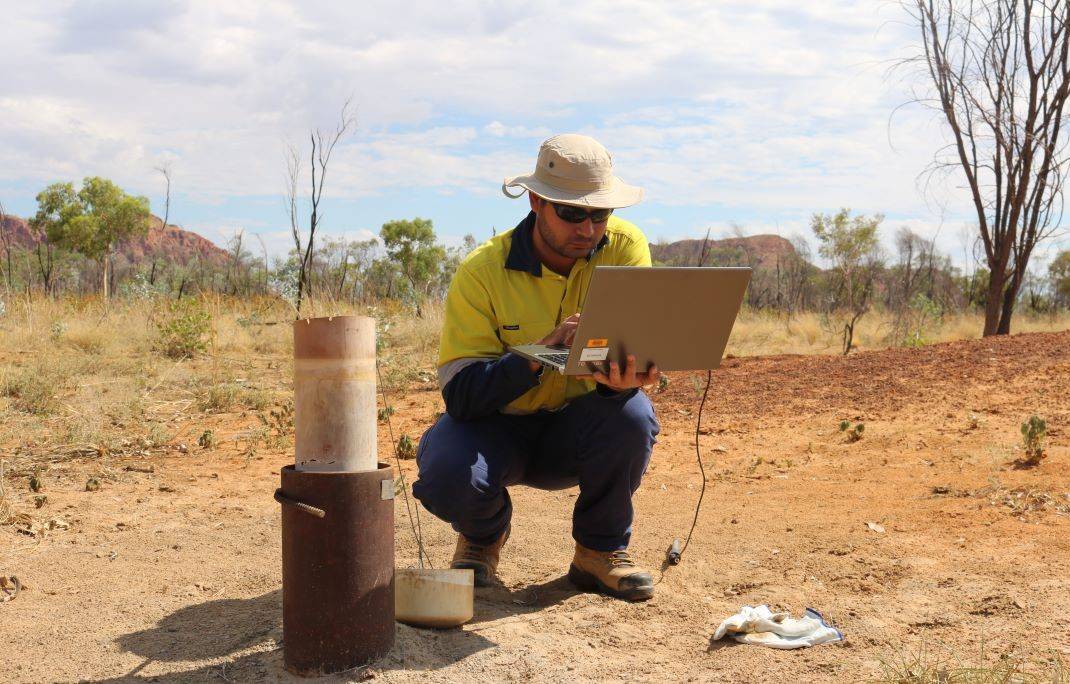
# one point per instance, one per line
(173, 575)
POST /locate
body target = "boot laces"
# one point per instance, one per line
(474, 552)
(621, 559)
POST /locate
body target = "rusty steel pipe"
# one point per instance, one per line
(337, 505)
(338, 570)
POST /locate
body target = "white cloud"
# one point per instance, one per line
(772, 106)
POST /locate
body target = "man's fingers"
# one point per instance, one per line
(628, 380)
(614, 374)
(652, 375)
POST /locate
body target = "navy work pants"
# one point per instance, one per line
(602, 444)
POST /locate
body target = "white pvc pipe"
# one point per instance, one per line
(334, 394)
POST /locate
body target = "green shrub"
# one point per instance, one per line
(182, 331)
(406, 447)
(853, 433)
(1034, 431)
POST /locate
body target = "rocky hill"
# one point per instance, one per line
(162, 242)
(760, 251)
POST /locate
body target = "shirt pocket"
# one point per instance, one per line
(528, 331)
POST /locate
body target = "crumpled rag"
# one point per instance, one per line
(762, 627)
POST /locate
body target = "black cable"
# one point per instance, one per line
(701, 467)
(417, 529)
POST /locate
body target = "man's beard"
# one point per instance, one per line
(560, 249)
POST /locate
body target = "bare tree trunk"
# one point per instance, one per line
(6, 239)
(105, 273)
(320, 156)
(44, 263)
(703, 252)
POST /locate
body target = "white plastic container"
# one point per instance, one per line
(434, 598)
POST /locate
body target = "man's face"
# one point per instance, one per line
(569, 240)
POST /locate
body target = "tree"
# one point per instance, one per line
(1000, 75)
(1059, 276)
(323, 145)
(852, 247)
(411, 244)
(91, 221)
(5, 238)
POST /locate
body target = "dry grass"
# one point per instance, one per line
(926, 666)
(75, 373)
(764, 332)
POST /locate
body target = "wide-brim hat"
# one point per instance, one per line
(575, 169)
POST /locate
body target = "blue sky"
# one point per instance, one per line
(752, 114)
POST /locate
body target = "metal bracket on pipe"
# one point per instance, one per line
(285, 500)
(387, 489)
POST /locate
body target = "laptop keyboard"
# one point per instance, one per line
(554, 358)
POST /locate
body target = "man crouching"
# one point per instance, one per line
(507, 420)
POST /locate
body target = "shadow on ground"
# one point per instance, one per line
(495, 603)
(220, 630)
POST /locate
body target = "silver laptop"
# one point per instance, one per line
(677, 317)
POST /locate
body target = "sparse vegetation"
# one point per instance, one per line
(229, 395)
(183, 329)
(32, 389)
(924, 666)
(853, 433)
(279, 425)
(406, 447)
(1034, 431)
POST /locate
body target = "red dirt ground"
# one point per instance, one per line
(174, 575)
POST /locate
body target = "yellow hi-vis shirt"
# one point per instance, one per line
(501, 295)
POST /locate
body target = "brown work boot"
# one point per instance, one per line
(482, 559)
(610, 572)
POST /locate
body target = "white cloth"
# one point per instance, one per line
(762, 627)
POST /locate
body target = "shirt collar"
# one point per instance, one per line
(522, 256)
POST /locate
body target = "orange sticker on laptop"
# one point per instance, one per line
(597, 343)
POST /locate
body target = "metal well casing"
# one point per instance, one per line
(334, 394)
(338, 570)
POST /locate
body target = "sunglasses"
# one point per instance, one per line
(567, 212)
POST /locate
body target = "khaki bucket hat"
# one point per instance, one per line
(575, 169)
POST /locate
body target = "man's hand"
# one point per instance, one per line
(561, 335)
(618, 381)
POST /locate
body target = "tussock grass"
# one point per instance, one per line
(925, 666)
(230, 395)
(34, 389)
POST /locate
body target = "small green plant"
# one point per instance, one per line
(92, 484)
(40, 500)
(206, 440)
(35, 482)
(406, 447)
(853, 433)
(385, 413)
(279, 424)
(1034, 431)
(663, 383)
(182, 331)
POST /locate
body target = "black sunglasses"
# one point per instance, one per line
(567, 212)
